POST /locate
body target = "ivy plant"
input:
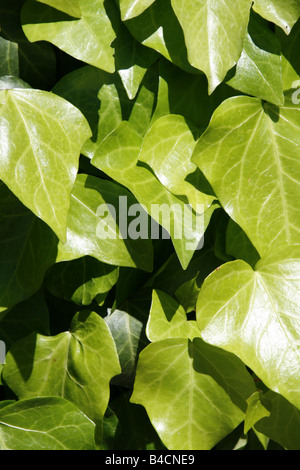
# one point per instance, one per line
(123, 324)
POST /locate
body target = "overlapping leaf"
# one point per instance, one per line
(131, 8)
(71, 7)
(196, 408)
(88, 38)
(97, 224)
(76, 365)
(41, 138)
(284, 14)
(249, 154)
(255, 315)
(167, 319)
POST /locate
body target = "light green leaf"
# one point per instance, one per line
(50, 423)
(282, 424)
(249, 154)
(214, 34)
(28, 248)
(194, 394)
(94, 226)
(255, 411)
(88, 38)
(127, 333)
(42, 138)
(71, 7)
(81, 280)
(255, 315)
(118, 157)
(77, 365)
(284, 14)
(258, 71)
(131, 8)
(167, 319)
(167, 148)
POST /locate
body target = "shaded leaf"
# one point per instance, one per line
(284, 14)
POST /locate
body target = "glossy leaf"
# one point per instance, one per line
(88, 38)
(45, 424)
(191, 403)
(118, 157)
(255, 315)
(81, 280)
(167, 148)
(249, 154)
(167, 319)
(284, 14)
(8, 57)
(77, 365)
(40, 151)
(214, 34)
(95, 203)
(258, 70)
(127, 332)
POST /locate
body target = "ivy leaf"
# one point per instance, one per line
(167, 148)
(284, 14)
(249, 154)
(214, 34)
(255, 315)
(258, 70)
(118, 157)
(131, 8)
(77, 365)
(189, 392)
(94, 222)
(43, 424)
(71, 7)
(283, 422)
(9, 64)
(167, 319)
(28, 248)
(81, 280)
(88, 38)
(42, 135)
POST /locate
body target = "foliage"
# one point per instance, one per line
(144, 342)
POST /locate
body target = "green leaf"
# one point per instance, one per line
(77, 365)
(290, 57)
(158, 28)
(94, 226)
(249, 156)
(28, 248)
(131, 8)
(88, 38)
(45, 424)
(127, 333)
(118, 157)
(214, 34)
(258, 71)
(71, 7)
(167, 148)
(40, 151)
(282, 424)
(193, 393)
(81, 280)
(8, 57)
(284, 14)
(167, 319)
(255, 315)
(255, 411)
